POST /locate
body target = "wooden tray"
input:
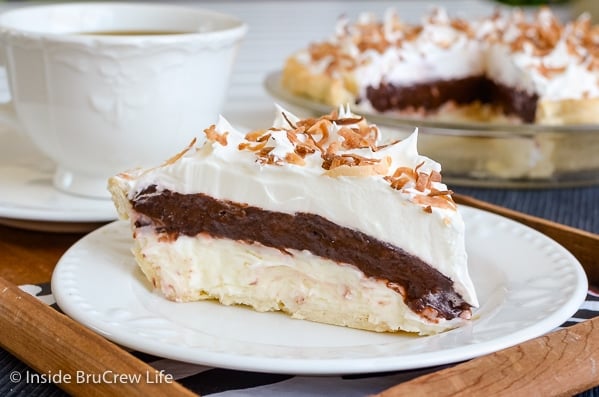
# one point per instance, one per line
(560, 363)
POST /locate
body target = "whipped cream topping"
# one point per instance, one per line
(339, 145)
(543, 56)
(537, 54)
(334, 167)
(438, 48)
(442, 50)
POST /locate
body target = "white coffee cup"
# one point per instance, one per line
(104, 87)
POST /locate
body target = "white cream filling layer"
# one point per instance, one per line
(301, 284)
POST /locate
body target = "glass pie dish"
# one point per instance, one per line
(482, 154)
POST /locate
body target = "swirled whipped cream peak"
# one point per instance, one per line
(317, 217)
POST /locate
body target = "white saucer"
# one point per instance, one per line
(28, 200)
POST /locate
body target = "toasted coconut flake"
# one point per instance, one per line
(398, 183)
(294, 158)
(551, 71)
(332, 149)
(302, 149)
(435, 176)
(287, 120)
(353, 171)
(334, 160)
(264, 156)
(319, 51)
(214, 136)
(254, 148)
(177, 156)
(320, 127)
(353, 139)
(257, 136)
(348, 121)
(435, 192)
(436, 201)
(422, 181)
(409, 172)
(463, 26)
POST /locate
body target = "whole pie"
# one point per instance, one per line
(504, 67)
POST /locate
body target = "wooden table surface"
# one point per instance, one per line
(29, 257)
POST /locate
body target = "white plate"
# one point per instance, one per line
(527, 286)
(28, 199)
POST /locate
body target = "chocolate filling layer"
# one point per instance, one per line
(174, 214)
(516, 102)
(431, 96)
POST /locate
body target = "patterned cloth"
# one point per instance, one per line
(218, 382)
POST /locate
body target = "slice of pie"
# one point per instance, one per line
(313, 217)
